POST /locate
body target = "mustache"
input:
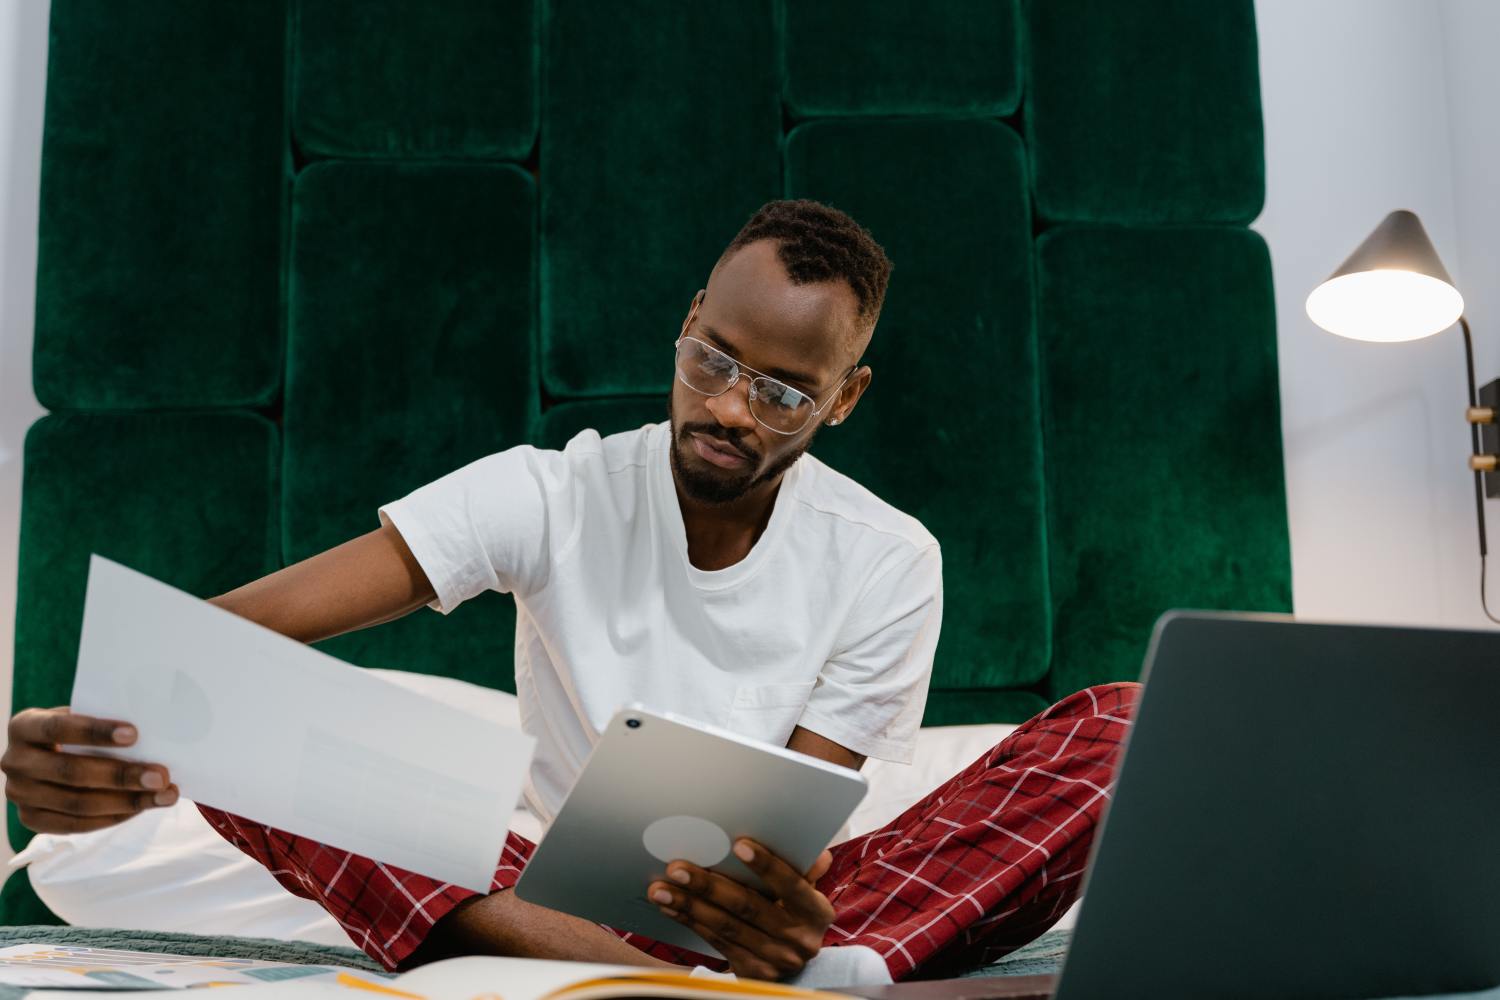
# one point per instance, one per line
(721, 434)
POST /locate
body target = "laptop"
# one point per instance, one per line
(1302, 810)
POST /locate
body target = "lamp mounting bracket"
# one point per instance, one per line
(1489, 435)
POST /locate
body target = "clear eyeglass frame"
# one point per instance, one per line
(772, 389)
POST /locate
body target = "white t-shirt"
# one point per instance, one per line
(830, 622)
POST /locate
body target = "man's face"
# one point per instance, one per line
(803, 335)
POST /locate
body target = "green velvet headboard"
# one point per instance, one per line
(298, 258)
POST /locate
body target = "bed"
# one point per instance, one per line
(168, 879)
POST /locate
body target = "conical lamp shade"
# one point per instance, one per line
(1392, 288)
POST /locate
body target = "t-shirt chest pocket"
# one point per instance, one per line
(769, 712)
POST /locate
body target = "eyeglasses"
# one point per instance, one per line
(774, 404)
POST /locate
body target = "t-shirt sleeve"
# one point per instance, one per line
(870, 694)
(487, 526)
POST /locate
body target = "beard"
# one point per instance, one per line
(709, 484)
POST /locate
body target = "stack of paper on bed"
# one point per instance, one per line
(75, 967)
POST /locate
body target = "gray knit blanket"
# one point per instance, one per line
(1041, 956)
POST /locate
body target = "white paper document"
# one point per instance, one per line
(268, 728)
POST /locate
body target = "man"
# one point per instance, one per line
(703, 566)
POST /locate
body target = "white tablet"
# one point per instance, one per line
(659, 788)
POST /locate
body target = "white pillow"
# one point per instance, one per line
(168, 870)
(941, 752)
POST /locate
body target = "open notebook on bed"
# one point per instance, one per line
(66, 971)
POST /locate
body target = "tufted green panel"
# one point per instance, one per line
(607, 416)
(188, 498)
(1162, 433)
(19, 904)
(1146, 111)
(159, 253)
(415, 78)
(409, 355)
(411, 291)
(661, 134)
(853, 57)
(950, 418)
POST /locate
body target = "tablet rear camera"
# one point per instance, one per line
(633, 723)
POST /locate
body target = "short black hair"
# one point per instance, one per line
(817, 242)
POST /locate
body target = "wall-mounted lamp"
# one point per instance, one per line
(1394, 288)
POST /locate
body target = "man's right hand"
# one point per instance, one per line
(60, 792)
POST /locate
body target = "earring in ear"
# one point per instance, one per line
(833, 421)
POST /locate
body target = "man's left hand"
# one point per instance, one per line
(763, 937)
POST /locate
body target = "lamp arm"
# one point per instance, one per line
(1478, 475)
(1463, 322)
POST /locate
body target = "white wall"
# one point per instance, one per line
(1370, 105)
(23, 75)
(1470, 29)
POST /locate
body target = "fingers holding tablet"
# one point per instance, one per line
(764, 936)
(795, 891)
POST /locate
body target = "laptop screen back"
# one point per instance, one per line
(1302, 810)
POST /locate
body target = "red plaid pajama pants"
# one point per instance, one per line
(976, 869)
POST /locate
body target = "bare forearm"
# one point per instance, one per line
(503, 924)
(819, 746)
(366, 581)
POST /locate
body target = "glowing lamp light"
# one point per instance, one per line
(1392, 288)
(1385, 306)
